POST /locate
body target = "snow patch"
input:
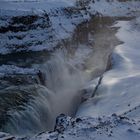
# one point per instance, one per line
(119, 89)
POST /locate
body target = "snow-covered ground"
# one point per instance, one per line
(36, 26)
(88, 128)
(103, 128)
(119, 89)
(41, 25)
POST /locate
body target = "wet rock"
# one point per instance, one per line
(42, 77)
(78, 120)
(62, 122)
(24, 19)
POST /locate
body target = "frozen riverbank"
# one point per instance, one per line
(119, 89)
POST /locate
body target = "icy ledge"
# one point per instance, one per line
(86, 128)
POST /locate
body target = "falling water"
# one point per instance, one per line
(30, 109)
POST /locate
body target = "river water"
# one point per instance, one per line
(30, 103)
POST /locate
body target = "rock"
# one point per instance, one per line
(62, 122)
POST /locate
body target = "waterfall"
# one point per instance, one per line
(32, 109)
(29, 109)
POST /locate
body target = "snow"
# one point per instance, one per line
(87, 128)
(12, 69)
(42, 34)
(116, 8)
(114, 113)
(119, 89)
(61, 25)
(37, 5)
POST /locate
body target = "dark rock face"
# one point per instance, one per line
(62, 123)
(15, 78)
(41, 77)
(26, 23)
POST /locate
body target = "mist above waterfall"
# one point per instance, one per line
(36, 104)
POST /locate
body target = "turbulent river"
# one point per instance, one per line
(30, 103)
